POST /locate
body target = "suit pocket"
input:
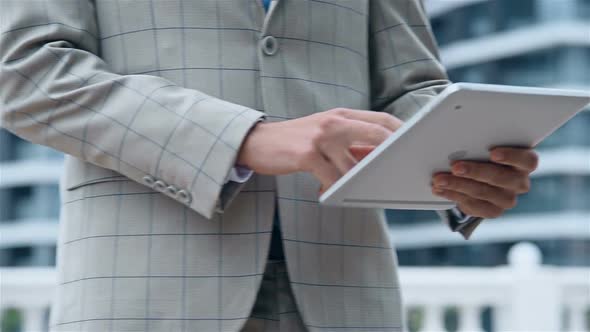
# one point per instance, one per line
(78, 174)
(96, 181)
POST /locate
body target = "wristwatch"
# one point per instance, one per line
(460, 222)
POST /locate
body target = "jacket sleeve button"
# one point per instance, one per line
(184, 196)
(159, 185)
(172, 190)
(149, 180)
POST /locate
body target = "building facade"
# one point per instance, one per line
(29, 211)
(542, 43)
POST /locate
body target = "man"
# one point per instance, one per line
(164, 105)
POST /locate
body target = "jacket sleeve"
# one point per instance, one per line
(55, 90)
(406, 71)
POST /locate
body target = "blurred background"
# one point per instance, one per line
(526, 271)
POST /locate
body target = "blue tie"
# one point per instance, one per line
(266, 3)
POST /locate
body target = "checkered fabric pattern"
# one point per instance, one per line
(152, 100)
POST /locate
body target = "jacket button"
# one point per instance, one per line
(149, 180)
(269, 45)
(172, 190)
(184, 196)
(159, 185)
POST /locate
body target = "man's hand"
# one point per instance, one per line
(327, 144)
(487, 189)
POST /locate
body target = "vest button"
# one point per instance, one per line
(269, 45)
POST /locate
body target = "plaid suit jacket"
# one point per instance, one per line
(151, 101)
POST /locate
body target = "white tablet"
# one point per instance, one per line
(462, 123)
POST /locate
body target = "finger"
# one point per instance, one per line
(483, 191)
(471, 206)
(359, 152)
(365, 133)
(326, 172)
(493, 174)
(341, 158)
(384, 119)
(522, 158)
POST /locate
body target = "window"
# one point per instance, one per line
(489, 254)
(478, 20)
(584, 9)
(448, 28)
(554, 66)
(28, 256)
(555, 193)
(408, 217)
(14, 148)
(561, 252)
(514, 14)
(25, 202)
(534, 69)
(573, 133)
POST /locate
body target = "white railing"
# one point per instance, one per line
(523, 296)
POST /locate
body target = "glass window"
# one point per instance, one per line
(408, 217)
(533, 69)
(572, 133)
(548, 67)
(478, 20)
(491, 254)
(15, 148)
(25, 202)
(28, 256)
(514, 14)
(555, 193)
(561, 252)
(448, 28)
(556, 10)
(584, 9)
(18, 256)
(565, 252)
(487, 17)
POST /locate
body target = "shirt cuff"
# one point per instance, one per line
(460, 222)
(239, 174)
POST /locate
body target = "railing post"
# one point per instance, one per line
(534, 305)
(577, 319)
(470, 319)
(34, 319)
(433, 318)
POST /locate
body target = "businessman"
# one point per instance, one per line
(199, 134)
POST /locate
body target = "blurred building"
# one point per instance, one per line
(29, 210)
(29, 202)
(544, 43)
(517, 42)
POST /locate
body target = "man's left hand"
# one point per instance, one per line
(487, 189)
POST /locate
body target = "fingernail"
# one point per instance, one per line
(460, 170)
(438, 190)
(441, 183)
(497, 155)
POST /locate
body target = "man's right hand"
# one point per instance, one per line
(327, 144)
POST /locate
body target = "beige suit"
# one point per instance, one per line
(152, 99)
